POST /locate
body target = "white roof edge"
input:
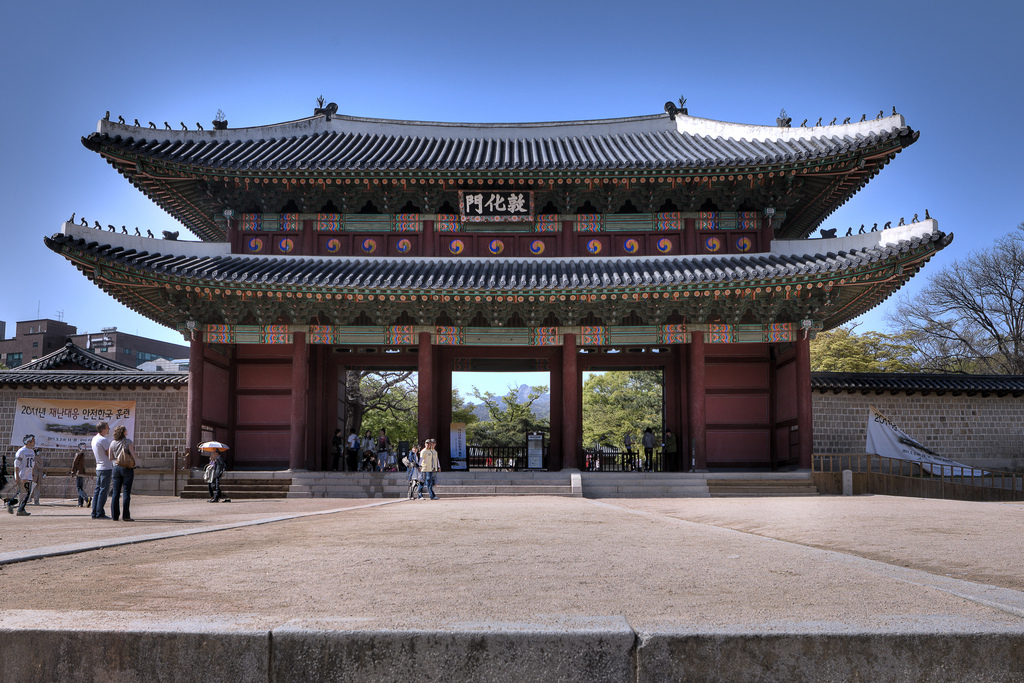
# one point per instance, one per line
(881, 238)
(743, 131)
(146, 244)
(428, 129)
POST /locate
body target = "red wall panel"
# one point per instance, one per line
(258, 447)
(737, 409)
(785, 392)
(738, 446)
(252, 376)
(215, 394)
(722, 375)
(262, 410)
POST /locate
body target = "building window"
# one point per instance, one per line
(128, 351)
(35, 344)
(143, 356)
(13, 360)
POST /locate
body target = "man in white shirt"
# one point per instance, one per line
(104, 470)
(24, 463)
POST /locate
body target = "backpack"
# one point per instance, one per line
(124, 457)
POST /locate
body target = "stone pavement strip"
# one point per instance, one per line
(818, 588)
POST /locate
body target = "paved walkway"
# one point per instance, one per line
(816, 565)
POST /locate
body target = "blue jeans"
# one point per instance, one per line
(122, 478)
(428, 483)
(99, 496)
(79, 483)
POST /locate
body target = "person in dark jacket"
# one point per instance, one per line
(78, 472)
(214, 471)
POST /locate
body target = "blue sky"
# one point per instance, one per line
(953, 70)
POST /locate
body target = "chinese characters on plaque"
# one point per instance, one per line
(495, 205)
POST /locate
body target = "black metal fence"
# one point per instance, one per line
(501, 458)
(614, 460)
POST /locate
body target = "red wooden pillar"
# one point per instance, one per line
(697, 400)
(427, 388)
(300, 390)
(685, 460)
(554, 463)
(443, 363)
(804, 412)
(194, 414)
(571, 427)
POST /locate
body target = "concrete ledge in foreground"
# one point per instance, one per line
(585, 649)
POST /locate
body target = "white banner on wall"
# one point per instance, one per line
(458, 450)
(68, 424)
(886, 439)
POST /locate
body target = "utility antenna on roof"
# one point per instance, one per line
(60, 316)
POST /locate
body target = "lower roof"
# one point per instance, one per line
(841, 277)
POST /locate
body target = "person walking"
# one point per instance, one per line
(104, 469)
(24, 464)
(122, 455)
(429, 465)
(627, 457)
(78, 472)
(415, 474)
(336, 442)
(213, 474)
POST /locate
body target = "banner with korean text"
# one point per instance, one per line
(888, 440)
(68, 424)
(458, 449)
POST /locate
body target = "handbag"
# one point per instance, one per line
(208, 474)
(124, 457)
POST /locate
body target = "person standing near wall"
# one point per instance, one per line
(352, 450)
(123, 457)
(430, 464)
(671, 452)
(24, 463)
(104, 469)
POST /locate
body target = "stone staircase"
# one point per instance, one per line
(645, 485)
(696, 484)
(241, 485)
(747, 484)
(450, 484)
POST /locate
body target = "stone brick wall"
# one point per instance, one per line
(981, 431)
(159, 427)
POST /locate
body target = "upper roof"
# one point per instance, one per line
(74, 356)
(354, 143)
(347, 161)
(91, 378)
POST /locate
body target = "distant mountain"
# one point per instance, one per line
(541, 407)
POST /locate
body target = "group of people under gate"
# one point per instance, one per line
(648, 455)
(367, 454)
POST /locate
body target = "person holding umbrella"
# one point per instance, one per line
(214, 470)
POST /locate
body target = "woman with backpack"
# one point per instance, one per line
(124, 460)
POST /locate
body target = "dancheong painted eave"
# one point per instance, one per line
(806, 172)
(827, 280)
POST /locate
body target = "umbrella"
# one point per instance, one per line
(213, 446)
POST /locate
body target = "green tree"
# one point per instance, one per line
(843, 350)
(509, 419)
(615, 403)
(387, 400)
(462, 411)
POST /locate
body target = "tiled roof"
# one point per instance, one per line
(69, 354)
(879, 382)
(133, 378)
(823, 256)
(350, 143)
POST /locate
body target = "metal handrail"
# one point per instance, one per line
(897, 467)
